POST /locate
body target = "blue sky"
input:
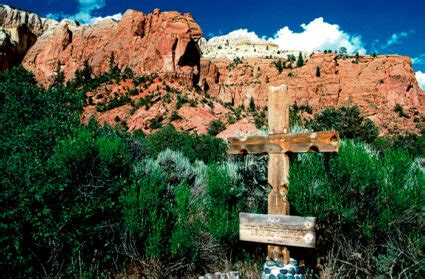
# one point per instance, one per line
(393, 27)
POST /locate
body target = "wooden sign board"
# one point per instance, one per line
(278, 229)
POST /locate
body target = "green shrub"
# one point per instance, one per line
(236, 61)
(230, 119)
(139, 80)
(398, 108)
(193, 103)
(291, 58)
(187, 229)
(411, 143)
(59, 77)
(114, 103)
(84, 75)
(192, 205)
(260, 120)
(279, 65)
(366, 205)
(85, 201)
(252, 104)
(181, 100)
(167, 98)
(215, 127)
(143, 215)
(127, 73)
(175, 116)
(155, 124)
(194, 147)
(133, 92)
(348, 121)
(114, 71)
(295, 111)
(230, 190)
(222, 205)
(300, 61)
(145, 101)
(253, 184)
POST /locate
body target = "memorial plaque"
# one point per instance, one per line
(278, 229)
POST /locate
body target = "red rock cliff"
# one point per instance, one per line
(157, 42)
(166, 42)
(375, 84)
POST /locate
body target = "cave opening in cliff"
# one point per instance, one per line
(15, 51)
(192, 58)
(173, 54)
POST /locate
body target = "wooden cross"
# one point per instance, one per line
(275, 228)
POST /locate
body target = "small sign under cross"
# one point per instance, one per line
(274, 228)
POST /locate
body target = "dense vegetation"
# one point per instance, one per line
(369, 208)
(348, 121)
(368, 198)
(86, 201)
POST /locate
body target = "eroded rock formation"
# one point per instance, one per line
(161, 42)
(18, 33)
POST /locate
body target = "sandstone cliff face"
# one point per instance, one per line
(375, 84)
(165, 43)
(18, 32)
(161, 42)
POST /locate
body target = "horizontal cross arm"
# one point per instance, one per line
(326, 141)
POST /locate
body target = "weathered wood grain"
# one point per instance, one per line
(326, 141)
(278, 109)
(277, 176)
(278, 229)
(278, 165)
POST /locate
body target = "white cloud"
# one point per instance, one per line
(85, 11)
(116, 17)
(317, 35)
(420, 77)
(396, 38)
(238, 35)
(420, 60)
(86, 8)
(57, 16)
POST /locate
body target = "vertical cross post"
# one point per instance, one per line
(278, 144)
(278, 166)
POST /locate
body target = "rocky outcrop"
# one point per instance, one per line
(375, 84)
(163, 100)
(18, 33)
(161, 42)
(166, 43)
(239, 45)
